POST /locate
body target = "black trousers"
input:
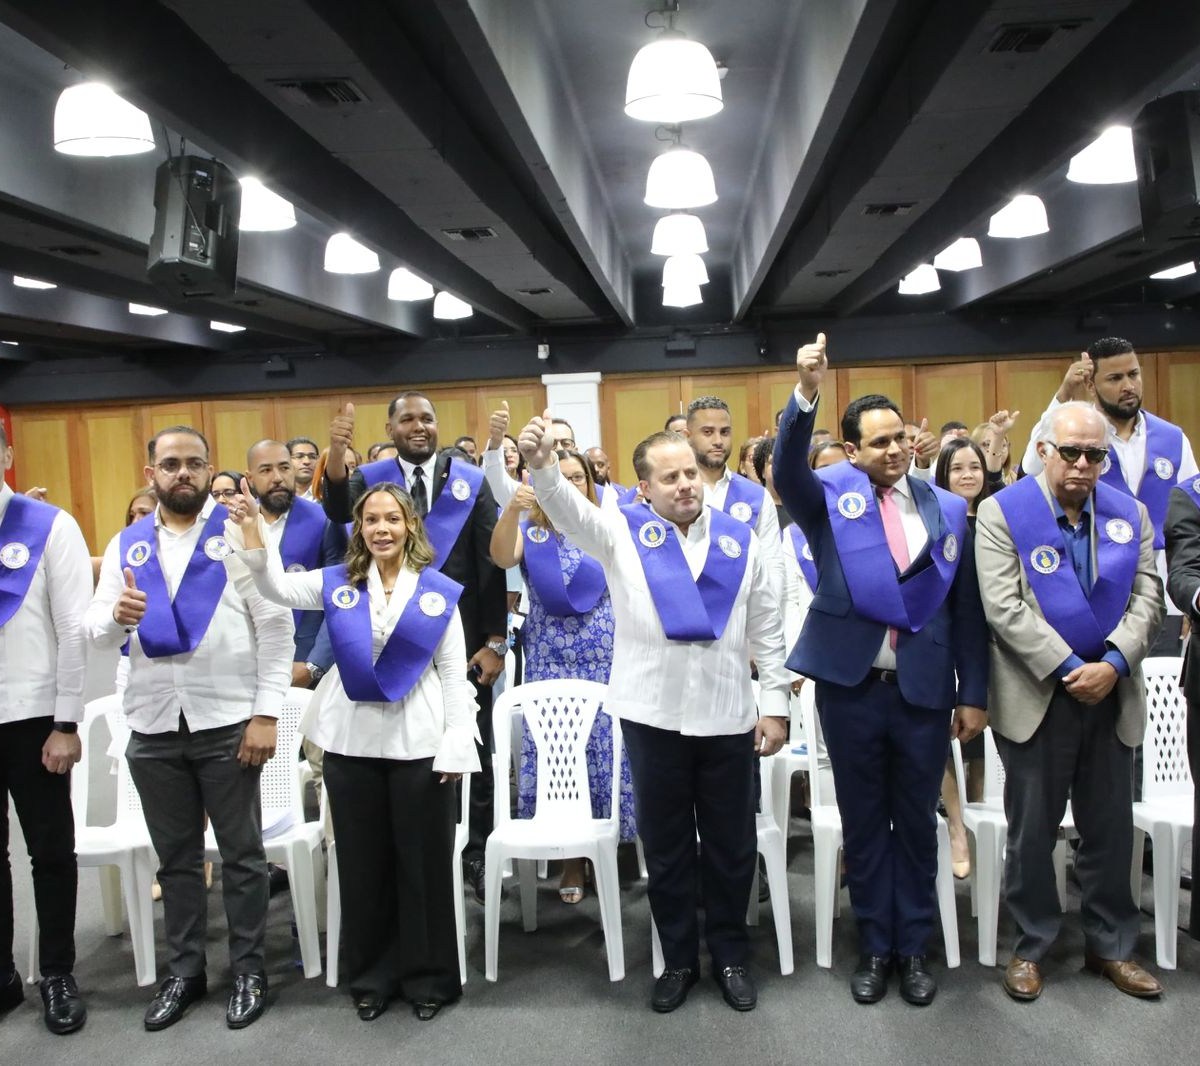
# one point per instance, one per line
(43, 804)
(394, 826)
(482, 816)
(1193, 747)
(684, 785)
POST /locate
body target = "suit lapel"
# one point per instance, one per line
(441, 473)
(931, 514)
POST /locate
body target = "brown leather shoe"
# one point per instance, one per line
(1126, 974)
(1023, 979)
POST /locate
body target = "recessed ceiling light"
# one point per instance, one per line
(1181, 271)
(1022, 216)
(448, 306)
(32, 283)
(922, 280)
(146, 309)
(1108, 160)
(963, 254)
(344, 255)
(225, 327)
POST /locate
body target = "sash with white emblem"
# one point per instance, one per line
(744, 499)
(548, 578)
(300, 546)
(1191, 488)
(23, 536)
(1164, 453)
(804, 556)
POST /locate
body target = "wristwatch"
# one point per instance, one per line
(498, 647)
(66, 727)
(315, 672)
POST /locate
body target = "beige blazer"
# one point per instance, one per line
(1026, 650)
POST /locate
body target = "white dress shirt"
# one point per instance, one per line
(428, 468)
(435, 719)
(767, 526)
(697, 688)
(43, 646)
(241, 667)
(796, 593)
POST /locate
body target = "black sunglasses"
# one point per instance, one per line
(1071, 453)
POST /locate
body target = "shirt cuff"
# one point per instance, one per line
(268, 704)
(546, 478)
(493, 457)
(1117, 661)
(803, 404)
(773, 703)
(457, 753)
(68, 708)
(1071, 662)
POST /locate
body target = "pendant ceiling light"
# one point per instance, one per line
(262, 210)
(1181, 271)
(1108, 160)
(225, 327)
(682, 296)
(963, 254)
(1024, 216)
(32, 283)
(922, 280)
(680, 178)
(147, 310)
(448, 306)
(673, 80)
(91, 119)
(684, 270)
(679, 234)
(405, 285)
(344, 255)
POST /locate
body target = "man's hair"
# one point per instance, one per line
(152, 447)
(852, 416)
(410, 395)
(762, 452)
(641, 464)
(376, 448)
(291, 444)
(564, 422)
(670, 419)
(1050, 433)
(267, 441)
(455, 452)
(459, 440)
(952, 424)
(707, 403)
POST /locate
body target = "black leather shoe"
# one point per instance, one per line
(247, 1001)
(868, 984)
(173, 997)
(277, 879)
(671, 989)
(370, 1007)
(426, 1011)
(12, 993)
(475, 873)
(764, 883)
(917, 985)
(737, 987)
(63, 1008)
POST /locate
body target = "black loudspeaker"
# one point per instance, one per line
(1166, 144)
(194, 249)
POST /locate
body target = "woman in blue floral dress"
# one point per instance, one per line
(568, 634)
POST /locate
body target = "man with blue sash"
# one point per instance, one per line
(693, 603)
(1183, 583)
(208, 671)
(895, 617)
(1066, 568)
(602, 471)
(45, 574)
(460, 514)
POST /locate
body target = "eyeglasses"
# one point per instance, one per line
(1071, 453)
(564, 442)
(173, 466)
(576, 479)
(224, 494)
(302, 457)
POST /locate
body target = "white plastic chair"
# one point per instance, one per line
(121, 848)
(827, 847)
(559, 715)
(1165, 810)
(793, 759)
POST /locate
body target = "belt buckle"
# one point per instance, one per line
(888, 677)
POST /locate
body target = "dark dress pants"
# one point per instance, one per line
(683, 785)
(482, 817)
(888, 757)
(1193, 746)
(43, 804)
(394, 826)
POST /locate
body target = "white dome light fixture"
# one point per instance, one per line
(264, 211)
(1171, 273)
(680, 271)
(344, 255)
(963, 254)
(679, 234)
(1023, 216)
(680, 178)
(1108, 160)
(922, 280)
(673, 80)
(681, 296)
(147, 310)
(449, 307)
(32, 283)
(90, 119)
(404, 285)
(225, 327)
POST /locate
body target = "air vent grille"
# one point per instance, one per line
(832, 273)
(889, 210)
(1026, 37)
(324, 93)
(470, 233)
(540, 291)
(78, 250)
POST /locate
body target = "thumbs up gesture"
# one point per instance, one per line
(130, 607)
(536, 441)
(341, 437)
(498, 426)
(243, 508)
(926, 446)
(811, 364)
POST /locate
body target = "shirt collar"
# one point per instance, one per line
(428, 467)
(901, 486)
(6, 494)
(1060, 513)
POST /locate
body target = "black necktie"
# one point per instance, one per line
(419, 496)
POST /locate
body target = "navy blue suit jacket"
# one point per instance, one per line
(312, 640)
(837, 644)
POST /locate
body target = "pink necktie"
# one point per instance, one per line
(893, 529)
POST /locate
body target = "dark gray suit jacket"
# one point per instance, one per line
(1182, 530)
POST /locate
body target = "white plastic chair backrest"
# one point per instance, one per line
(94, 712)
(808, 710)
(1165, 771)
(279, 785)
(993, 771)
(559, 716)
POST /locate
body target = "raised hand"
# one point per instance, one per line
(811, 364)
(38, 492)
(130, 607)
(498, 426)
(244, 508)
(341, 437)
(926, 446)
(1077, 382)
(524, 498)
(1003, 421)
(536, 442)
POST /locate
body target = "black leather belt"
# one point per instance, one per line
(888, 677)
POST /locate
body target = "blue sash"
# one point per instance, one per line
(173, 627)
(409, 649)
(1082, 620)
(23, 536)
(1164, 453)
(690, 609)
(744, 499)
(560, 597)
(877, 589)
(627, 496)
(451, 508)
(803, 554)
(300, 548)
(1191, 488)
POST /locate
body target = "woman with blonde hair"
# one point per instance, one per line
(992, 438)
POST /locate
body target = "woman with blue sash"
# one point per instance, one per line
(396, 719)
(568, 634)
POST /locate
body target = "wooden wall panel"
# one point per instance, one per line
(370, 420)
(739, 392)
(456, 414)
(305, 416)
(233, 426)
(963, 392)
(525, 399)
(154, 417)
(112, 463)
(1179, 392)
(43, 448)
(1028, 386)
(894, 382)
(632, 409)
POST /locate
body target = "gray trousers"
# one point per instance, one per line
(179, 777)
(1075, 752)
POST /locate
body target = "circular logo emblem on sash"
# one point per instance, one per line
(852, 504)
(950, 548)
(1044, 559)
(14, 555)
(296, 568)
(1196, 485)
(538, 535)
(653, 534)
(138, 553)
(345, 597)
(459, 489)
(217, 549)
(1164, 468)
(741, 510)
(432, 604)
(1106, 466)
(806, 551)
(729, 546)
(1119, 531)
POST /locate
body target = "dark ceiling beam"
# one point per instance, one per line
(154, 60)
(1143, 49)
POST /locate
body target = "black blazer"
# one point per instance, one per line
(1182, 530)
(484, 602)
